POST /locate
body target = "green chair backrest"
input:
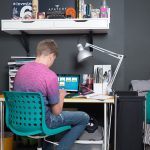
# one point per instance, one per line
(25, 114)
(148, 107)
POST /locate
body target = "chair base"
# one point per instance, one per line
(54, 143)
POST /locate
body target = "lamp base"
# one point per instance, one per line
(110, 91)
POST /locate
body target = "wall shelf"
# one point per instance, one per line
(56, 26)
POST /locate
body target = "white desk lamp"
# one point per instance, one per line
(84, 54)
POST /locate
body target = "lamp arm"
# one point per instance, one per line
(115, 72)
(110, 53)
(113, 54)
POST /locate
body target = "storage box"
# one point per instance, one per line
(56, 8)
(21, 9)
(8, 141)
(96, 136)
(87, 147)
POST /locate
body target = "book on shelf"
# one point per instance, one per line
(20, 60)
(13, 70)
(77, 8)
(55, 9)
(22, 57)
(21, 9)
(12, 74)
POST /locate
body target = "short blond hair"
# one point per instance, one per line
(46, 47)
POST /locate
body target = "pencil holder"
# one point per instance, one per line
(100, 88)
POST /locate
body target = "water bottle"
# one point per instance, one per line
(104, 10)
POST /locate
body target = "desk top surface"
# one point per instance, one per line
(80, 100)
(1, 98)
(89, 100)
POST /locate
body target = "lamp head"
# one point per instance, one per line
(83, 53)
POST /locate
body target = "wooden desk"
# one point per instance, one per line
(85, 100)
(104, 142)
(110, 100)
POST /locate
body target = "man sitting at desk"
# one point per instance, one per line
(37, 77)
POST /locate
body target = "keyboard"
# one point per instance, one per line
(70, 95)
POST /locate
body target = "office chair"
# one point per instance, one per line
(25, 115)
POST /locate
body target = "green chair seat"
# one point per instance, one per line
(25, 114)
(148, 107)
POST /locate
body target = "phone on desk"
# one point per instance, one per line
(85, 90)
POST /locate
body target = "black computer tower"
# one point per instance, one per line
(129, 118)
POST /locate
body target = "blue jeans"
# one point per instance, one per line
(78, 121)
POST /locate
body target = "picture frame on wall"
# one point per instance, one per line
(102, 77)
(22, 9)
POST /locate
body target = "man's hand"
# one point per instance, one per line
(62, 93)
(57, 108)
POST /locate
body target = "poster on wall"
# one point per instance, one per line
(102, 77)
(22, 9)
(56, 8)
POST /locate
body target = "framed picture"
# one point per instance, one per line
(102, 77)
(21, 9)
(56, 8)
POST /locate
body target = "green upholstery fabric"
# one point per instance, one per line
(148, 107)
(25, 114)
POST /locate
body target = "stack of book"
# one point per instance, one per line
(58, 9)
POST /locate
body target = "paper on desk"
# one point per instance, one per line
(98, 96)
(94, 96)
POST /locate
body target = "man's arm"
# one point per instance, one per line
(57, 108)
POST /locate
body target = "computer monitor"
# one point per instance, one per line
(69, 82)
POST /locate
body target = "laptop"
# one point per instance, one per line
(70, 83)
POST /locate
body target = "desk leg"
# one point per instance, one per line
(109, 124)
(115, 123)
(105, 126)
(2, 125)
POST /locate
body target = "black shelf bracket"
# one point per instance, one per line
(25, 42)
(90, 39)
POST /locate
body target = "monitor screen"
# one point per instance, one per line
(69, 82)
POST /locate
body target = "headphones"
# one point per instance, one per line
(92, 125)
